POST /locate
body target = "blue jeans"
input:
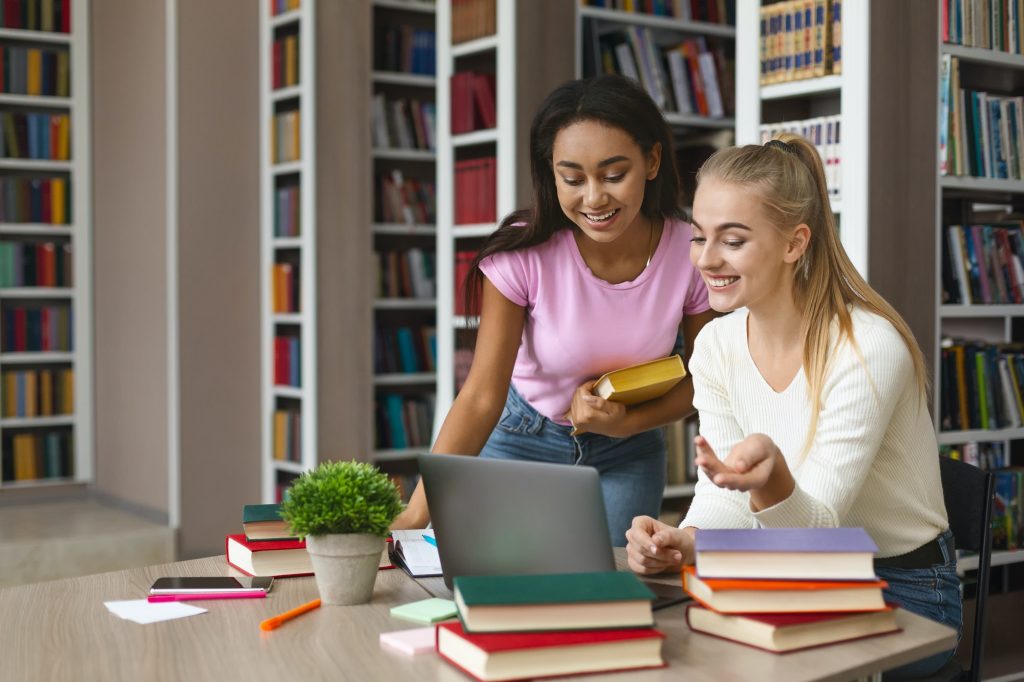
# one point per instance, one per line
(930, 592)
(632, 470)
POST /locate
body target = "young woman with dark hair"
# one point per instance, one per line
(594, 276)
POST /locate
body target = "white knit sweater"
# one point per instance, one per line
(874, 458)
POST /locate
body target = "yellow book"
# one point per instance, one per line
(642, 382)
(69, 391)
(31, 395)
(57, 201)
(64, 137)
(46, 393)
(63, 74)
(10, 394)
(280, 433)
(35, 71)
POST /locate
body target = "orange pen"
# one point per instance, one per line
(275, 621)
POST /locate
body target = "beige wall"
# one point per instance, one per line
(218, 275)
(128, 106)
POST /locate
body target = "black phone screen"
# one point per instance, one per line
(209, 584)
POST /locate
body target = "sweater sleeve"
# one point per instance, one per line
(714, 507)
(858, 402)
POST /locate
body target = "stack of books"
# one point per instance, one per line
(526, 626)
(783, 589)
(266, 546)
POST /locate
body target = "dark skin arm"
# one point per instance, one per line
(478, 405)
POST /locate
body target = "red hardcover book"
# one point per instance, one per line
(275, 64)
(526, 655)
(20, 329)
(47, 202)
(65, 16)
(483, 94)
(784, 632)
(268, 558)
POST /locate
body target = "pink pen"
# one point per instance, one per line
(246, 594)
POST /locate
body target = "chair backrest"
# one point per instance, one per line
(968, 491)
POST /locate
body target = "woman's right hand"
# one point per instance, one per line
(656, 547)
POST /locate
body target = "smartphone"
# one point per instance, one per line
(192, 585)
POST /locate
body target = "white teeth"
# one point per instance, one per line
(721, 281)
(600, 218)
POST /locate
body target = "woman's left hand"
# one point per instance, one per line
(589, 413)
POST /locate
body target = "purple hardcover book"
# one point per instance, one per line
(785, 540)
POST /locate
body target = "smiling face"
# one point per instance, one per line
(744, 259)
(600, 173)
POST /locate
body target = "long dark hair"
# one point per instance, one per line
(613, 101)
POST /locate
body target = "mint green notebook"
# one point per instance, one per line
(426, 610)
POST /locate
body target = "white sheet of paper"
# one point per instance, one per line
(143, 612)
(420, 556)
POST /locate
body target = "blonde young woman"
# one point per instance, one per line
(812, 394)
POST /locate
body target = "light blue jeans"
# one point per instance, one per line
(632, 469)
(932, 592)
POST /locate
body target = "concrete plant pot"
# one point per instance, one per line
(345, 566)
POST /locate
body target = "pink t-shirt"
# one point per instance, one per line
(579, 326)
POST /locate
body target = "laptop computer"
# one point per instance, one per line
(505, 517)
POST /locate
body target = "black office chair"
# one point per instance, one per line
(968, 494)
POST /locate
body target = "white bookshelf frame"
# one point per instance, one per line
(79, 232)
(305, 243)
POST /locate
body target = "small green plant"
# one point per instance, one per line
(342, 497)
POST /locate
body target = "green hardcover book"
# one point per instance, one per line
(564, 601)
(263, 522)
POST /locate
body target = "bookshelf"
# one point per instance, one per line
(46, 428)
(404, 228)
(315, 254)
(976, 205)
(523, 47)
(601, 34)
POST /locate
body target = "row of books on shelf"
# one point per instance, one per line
(983, 264)
(691, 77)
(476, 190)
(988, 24)
(405, 49)
(37, 15)
(824, 133)
(472, 102)
(284, 61)
(34, 264)
(37, 328)
(41, 136)
(403, 421)
(981, 134)
(39, 71)
(285, 288)
(287, 361)
(405, 350)
(405, 274)
(39, 392)
(801, 39)
(711, 11)
(26, 199)
(982, 386)
(282, 6)
(33, 456)
(472, 19)
(403, 123)
(409, 201)
(287, 435)
(285, 145)
(288, 210)
(984, 455)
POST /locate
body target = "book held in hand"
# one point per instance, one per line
(642, 382)
(512, 656)
(263, 522)
(727, 595)
(786, 553)
(784, 632)
(280, 559)
(565, 601)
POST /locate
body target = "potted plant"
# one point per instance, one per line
(344, 510)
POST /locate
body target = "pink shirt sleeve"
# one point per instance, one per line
(507, 272)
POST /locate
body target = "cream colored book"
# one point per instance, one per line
(643, 382)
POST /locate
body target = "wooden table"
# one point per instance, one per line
(61, 630)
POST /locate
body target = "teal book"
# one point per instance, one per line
(563, 601)
(263, 522)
